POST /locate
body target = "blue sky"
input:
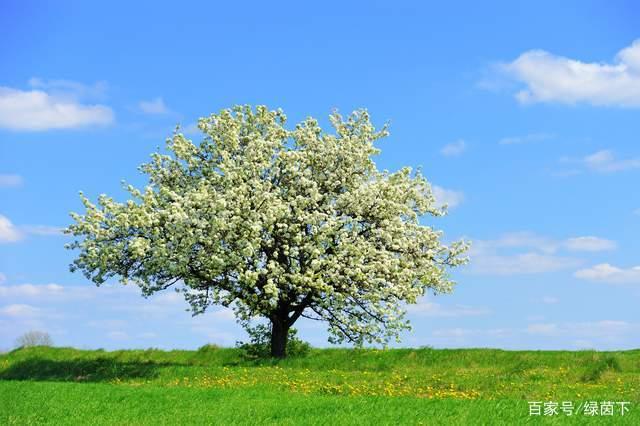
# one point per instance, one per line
(524, 117)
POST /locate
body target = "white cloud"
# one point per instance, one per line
(38, 110)
(52, 292)
(111, 316)
(551, 78)
(610, 274)
(520, 264)
(533, 137)
(520, 239)
(604, 161)
(31, 290)
(550, 300)
(454, 149)
(431, 309)
(530, 240)
(545, 329)
(3, 278)
(8, 232)
(605, 329)
(534, 254)
(604, 335)
(19, 310)
(590, 244)
(42, 230)
(447, 196)
(67, 89)
(9, 181)
(155, 106)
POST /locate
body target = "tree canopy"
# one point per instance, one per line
(275, 223)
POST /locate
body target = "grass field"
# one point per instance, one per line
(328, 386)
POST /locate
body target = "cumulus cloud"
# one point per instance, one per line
(590, 244)
(19, 310)
(534, 254)
(447, 196)
(112, 316)
(605, 162)
(551, 78)
(610, 274)
(520, 264)
(10, 181)
(603, 330)
(607, 329)
(545, 329)
(31, 290)
(520, 239)
(528, 239)
(154, 106)
(42, 230)
(454, 149)
(68, 89)
(8, 231)
(49, 106)
(604, 334)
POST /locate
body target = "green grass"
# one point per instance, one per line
(329, 386)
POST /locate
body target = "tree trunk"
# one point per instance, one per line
(279, 335)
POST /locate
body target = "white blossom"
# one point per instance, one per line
(277, 223)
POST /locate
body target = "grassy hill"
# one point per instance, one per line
(328, 386)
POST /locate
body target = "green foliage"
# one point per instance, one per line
(79, 370)
(597, 368)
(209, 347)
(259, 345)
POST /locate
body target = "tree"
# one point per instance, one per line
(275, 223)
(34, 338)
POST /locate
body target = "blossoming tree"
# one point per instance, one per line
(275, 223)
